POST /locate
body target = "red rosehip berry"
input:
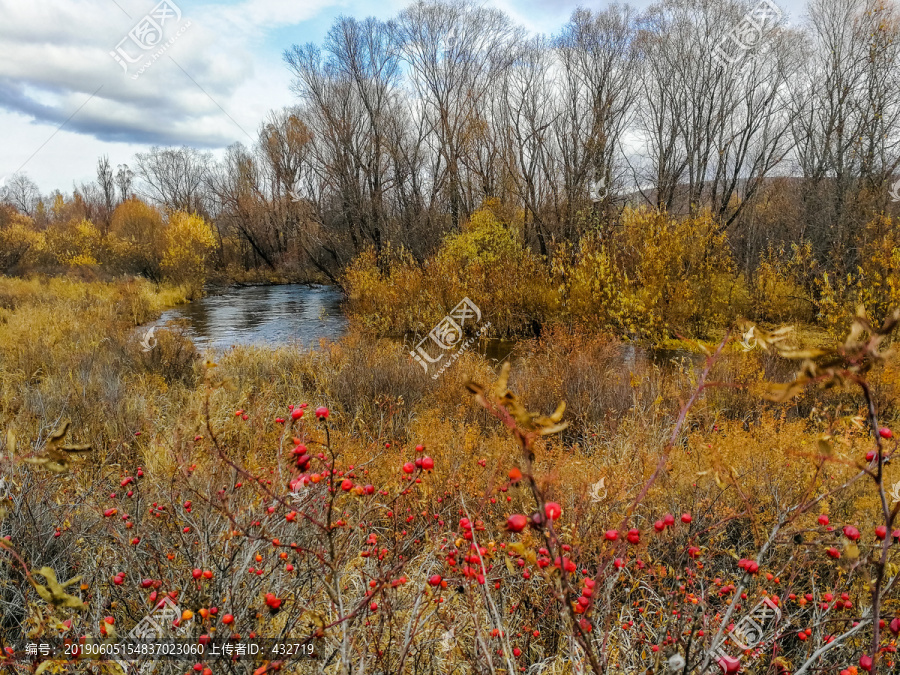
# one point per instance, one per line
(552, 510)
(322, 412)
(884, 432)
(729, 664)
(851, 532)
(686, 518)
(516, 522)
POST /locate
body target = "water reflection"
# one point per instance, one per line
(263, 315)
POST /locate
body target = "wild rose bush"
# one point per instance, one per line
(491, 553)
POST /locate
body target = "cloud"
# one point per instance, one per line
(51, 63)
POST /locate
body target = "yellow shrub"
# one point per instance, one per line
(875, 285)
(488, 263)
(137, 239)
(19, 242)
(598, 293)
(684, 271)
(394, 294)
(189, 240)
(879, 269)
(387, 294)
(74, 243)
(654, 276)
(779, 285)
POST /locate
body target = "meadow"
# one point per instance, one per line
(465, 524)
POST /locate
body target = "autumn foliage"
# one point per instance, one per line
(417, 526)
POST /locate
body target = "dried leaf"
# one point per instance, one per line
(781, 392)
(501, 395)
(55, 455)
(825, 448)
(54, 592)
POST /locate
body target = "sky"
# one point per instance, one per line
(72, 87)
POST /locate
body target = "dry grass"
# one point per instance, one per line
(69, 350)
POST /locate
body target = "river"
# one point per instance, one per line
(277, 315)
(262, 315)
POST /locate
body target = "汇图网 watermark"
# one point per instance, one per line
(152, 627)
(746, 34)
(895, 191)
(448, 334)
(149, 341)
(755, 631)
(148, 35)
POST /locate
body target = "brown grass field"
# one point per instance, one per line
(322, 526)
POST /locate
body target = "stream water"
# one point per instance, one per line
(276, 315)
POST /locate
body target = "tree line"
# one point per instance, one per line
(404, 128)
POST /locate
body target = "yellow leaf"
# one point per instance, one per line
(54, 592)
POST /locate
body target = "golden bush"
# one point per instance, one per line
(74, 243)
(189, 241)
(19, 242)
(137, 238)
(779, 289)
(392, 293)
(655, 276)
(875, 285)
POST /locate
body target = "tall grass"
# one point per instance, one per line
(214, 430)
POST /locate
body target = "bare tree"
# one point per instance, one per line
(23, 193)
(597, 97)
(524, 119)
(236, 184)
(106, 183)
(456, 52)
(124, 179)
(712, 132)
(175, 177)
(847, 126)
